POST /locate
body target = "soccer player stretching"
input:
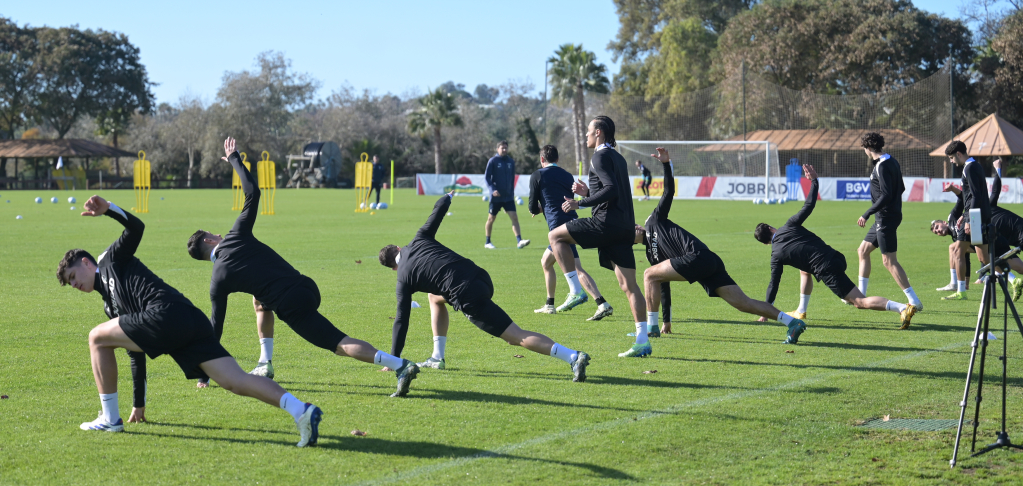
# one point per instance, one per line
(149, 316)
(500, 175)
(886, 188)
(611, 229)
(647, 179)
(796, 246)
(676, 255)
(241, 263)
(425, 265)
(548, 188)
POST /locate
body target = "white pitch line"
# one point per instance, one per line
(419, 471)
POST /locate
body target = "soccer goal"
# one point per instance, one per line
(707, 158)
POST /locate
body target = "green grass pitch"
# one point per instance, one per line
(729, 403)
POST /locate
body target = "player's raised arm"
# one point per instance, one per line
(668, 195)
(996, 187)
(429, 230)
(247, 219)
(401, 318)
(125, 246)
(811, 199)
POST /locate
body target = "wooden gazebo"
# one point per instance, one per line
(52, 149)
(990, 137)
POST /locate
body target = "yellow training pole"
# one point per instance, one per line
(363, 183)
(141, 175)
(267, 172)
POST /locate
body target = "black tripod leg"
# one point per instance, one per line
(969, 375)
(987, 300)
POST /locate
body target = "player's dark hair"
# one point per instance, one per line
(955, 146)
(763, 233)
(872, 141)
(388, 254)
(71, 258)
(195, 245)
(607, 128)
(502, 142)
(549, 153)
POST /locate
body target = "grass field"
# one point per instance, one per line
(729, 404)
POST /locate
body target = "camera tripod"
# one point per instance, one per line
(980, 337)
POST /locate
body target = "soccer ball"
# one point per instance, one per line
(758, 201)
(53, 200)
(39, 200)
(382, 206)
(362, 206)
(518, 201)
(17, 217)
(71, 200)
(372, 205)
(772, 201)
(486, 198)
(72, 208)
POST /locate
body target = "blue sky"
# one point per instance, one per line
(381, 45)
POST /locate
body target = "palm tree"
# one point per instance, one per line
(574, 71)
(437, 109)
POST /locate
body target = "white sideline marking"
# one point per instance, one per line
(412, 473)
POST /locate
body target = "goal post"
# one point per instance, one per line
(708, 158)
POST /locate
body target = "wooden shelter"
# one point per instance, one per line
(990, 137)
(35, 150)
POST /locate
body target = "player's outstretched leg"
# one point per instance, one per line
(561, 246)
(627, 281)
(891, 262)
(439, 321)
(538, 343)
(738, 299)
(404, 369)
(603, 308)
(906, 311)
(226, 372)
(805, 290)
(547, 262)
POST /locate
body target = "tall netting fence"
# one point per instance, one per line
(691, 158)
(818, 129)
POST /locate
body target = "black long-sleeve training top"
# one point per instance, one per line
(128, 286)
(245, 264)
(798, 247)
(886, 188)
(664, 239)
(975, 190)
(425, 265)
(548, 188)
(610, 192)
(1008, 223)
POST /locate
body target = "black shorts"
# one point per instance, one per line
(613, 243)
(883, 235)
(496, 207)
(298, 309)
(704, 267)
(575, 251)
(833, 275)
(477, 305)
(177, 329)
(647, 181)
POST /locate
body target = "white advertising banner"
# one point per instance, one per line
(918, 189)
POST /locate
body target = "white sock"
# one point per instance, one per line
(961, 286)
(894, 306)
(863, 285)
(563, 353)
(641, 337)
(784, 318)
(911, 295)
(392, 362)
(292, 405)
(438, 346)
(109, 403)
(651, 320)
(1011, 276)
(954, 279)
(573, 283)
(266, 349)
(804, 302)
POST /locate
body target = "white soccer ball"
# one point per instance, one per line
(71, 200)
(39, 200)
(486, 198)
(518, 201)
(17, 217)
(53, 200)
(362, 206)
(758, 201)
(72, 208)
(772, 201)
(372, 205)
(382, 206)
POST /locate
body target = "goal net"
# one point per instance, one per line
(705, 158)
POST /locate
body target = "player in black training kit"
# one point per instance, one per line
(379, 173)
(548, 188)
(242, 263)
(610, 229)
(1008, 225)
(425, 265)
(676, 255)
(647, 179)
(148, 316)
(886, 188)
(974, 196)
(796, 246)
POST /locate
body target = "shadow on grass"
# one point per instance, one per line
(608, 380)
(954, 375)
(472, 396)
(370, 445)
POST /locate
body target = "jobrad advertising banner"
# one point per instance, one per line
(918, 189)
